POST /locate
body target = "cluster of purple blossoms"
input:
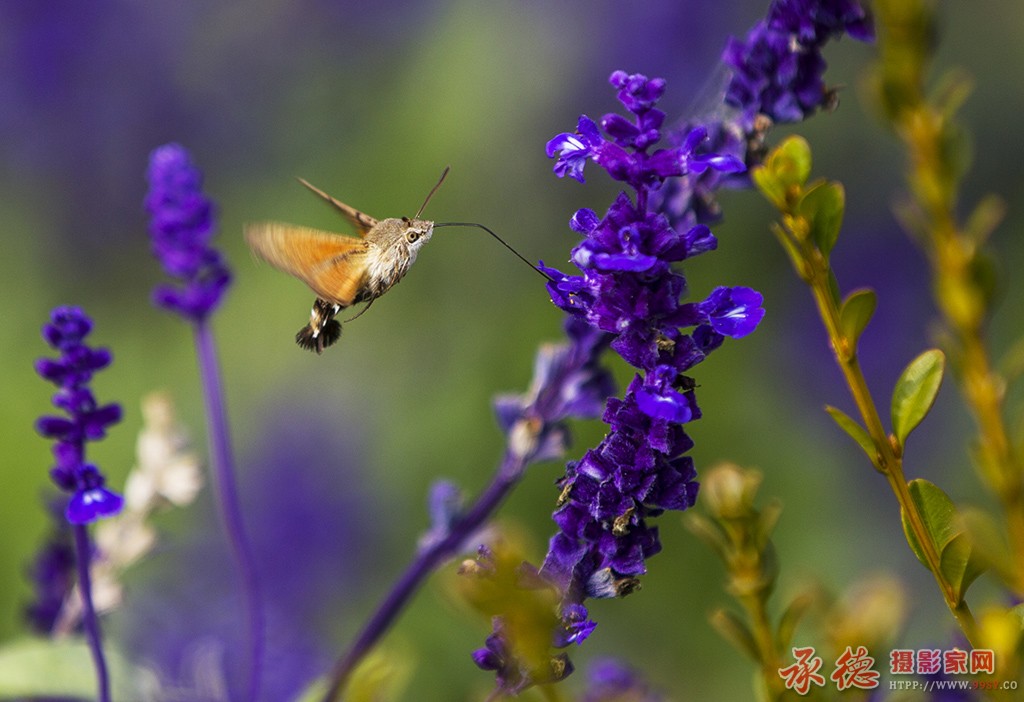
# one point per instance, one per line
(629, 296)
(629, 289)
(86, 420)
(775, 76)
(777, 71)
(181, 226)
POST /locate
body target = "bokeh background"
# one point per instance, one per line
(370, 101)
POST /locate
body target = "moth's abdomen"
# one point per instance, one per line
(323, 329)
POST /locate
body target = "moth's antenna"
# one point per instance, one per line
(503, 242)
(434, 190)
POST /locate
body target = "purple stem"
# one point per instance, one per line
(83, 557)
(222, 464)
(508, 475)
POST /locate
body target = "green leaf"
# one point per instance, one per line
(709, 532)
(856, 311)
(957, 563)
(381, 676)
(770, 186)
(785, 171)
(1011, 365)
(990, 547)
(791, 161)
(315, 692)
(822, 206)
(984, 218)
(855, 430)
(766, 521)
(791, 618)
(735, 631)
(915, 392)
(33, 667)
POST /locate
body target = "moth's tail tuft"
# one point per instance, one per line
(318, 339)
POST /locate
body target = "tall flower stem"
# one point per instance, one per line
(507, 477)
(222, 464)
(83, 553)
(86, 421)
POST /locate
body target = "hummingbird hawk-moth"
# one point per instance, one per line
(342, 270)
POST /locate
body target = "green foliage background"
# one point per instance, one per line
(370, 104)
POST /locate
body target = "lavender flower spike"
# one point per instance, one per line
(181, 226)
(86, 421)
(628, 289)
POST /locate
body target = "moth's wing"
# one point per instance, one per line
(333, 266)
(360, 220)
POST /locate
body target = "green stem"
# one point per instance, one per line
(886, 460)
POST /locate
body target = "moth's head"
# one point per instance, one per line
(410, 234)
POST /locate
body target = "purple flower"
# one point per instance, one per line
(624, 154)
(610, 680)
(776, 76)
(574, 148)
(778, 69)
(85, 420)
(52, 571)
(733, 312)
(817, 21)
(181, 227)
(568, 382)
(512, 674)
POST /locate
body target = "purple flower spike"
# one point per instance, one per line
(181, 227)
(86, 420)
(627, 290)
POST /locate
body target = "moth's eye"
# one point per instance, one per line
(412, 235)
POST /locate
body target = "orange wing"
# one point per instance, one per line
(360, 220)
(333, 266)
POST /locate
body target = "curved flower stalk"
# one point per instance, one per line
(86, 421)
(181, 226)
(567, 382)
